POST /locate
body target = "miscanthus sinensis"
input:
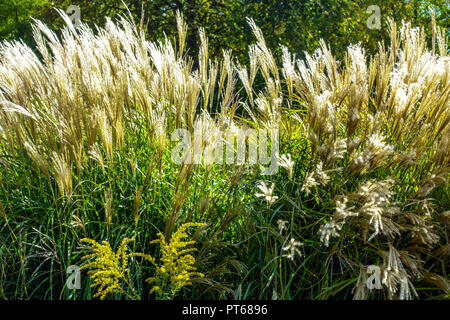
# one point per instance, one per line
(266, 193)
(282, 225)
(315, 178)
(395, 276)
(287, 163)
(108, 269)
(372, 202)
(292, 247)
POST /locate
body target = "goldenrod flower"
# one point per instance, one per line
(108, 269)
(177, 265)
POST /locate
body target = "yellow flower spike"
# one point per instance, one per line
(177, 266)
(108, 269)
(155, 288)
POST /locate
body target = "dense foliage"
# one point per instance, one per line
(88, 177)
(297, 24)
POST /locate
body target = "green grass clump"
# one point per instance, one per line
(86, 152)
